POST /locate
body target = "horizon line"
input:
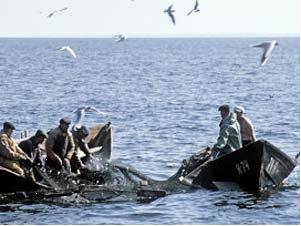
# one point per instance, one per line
(234, 35)
(209, 36)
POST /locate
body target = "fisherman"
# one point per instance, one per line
(229, 138)
(79, 136)
(31, 147)
(246, 127)
(60, 146)
(11, 156)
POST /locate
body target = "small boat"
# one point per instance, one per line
(255, 167)
(99, 142)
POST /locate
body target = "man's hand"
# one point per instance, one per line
(66, 164)
(27, 163)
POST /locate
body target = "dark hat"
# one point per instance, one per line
(8, 125)
(84, 130)
(224, 107)
(65, 121)
(40, 133)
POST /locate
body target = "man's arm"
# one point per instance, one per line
(71, 147)
(7, 151)
(26, 147)
(84, 147)
(222, 139)
(250, 129)
(49, 149)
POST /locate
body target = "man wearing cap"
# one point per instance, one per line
(60, 146)
(79, 136)
(229, 138)
(11, 156)
(31, 147)
(246, 127)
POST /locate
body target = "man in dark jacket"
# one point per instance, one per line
(60, 146)
(31, 147)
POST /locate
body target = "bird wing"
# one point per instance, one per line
(172, 18)
(79, 114)
(189, 13)
(196, 5)
(71, 51)
(63, 48)
(55, 11)
(267, 52)
(63, 9)
(169, 7)
(94, 109)
(50, 15)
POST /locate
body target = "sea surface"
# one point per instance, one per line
(161, 96)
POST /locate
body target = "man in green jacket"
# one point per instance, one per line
(229, 138)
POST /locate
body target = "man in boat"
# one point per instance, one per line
(229, 138)
(11, 155)
(60, 146)
(79, 136)
(31, 147)
(246, 127)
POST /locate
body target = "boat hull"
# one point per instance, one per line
(255, 167)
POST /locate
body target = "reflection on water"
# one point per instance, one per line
(254, 200)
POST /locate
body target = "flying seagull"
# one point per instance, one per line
(267, 50)
(120, 38)
(195, 9)
(56, 11)
(69, 50)
(81, 112)
(169, 11)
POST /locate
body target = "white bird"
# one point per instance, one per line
(56, 11)
(267, 50)
(169, 11)
(120, 38)
(69, 50)
(195, 9)
(81, 112)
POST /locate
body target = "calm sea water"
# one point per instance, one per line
(161, 96)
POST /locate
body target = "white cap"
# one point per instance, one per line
(239, 109)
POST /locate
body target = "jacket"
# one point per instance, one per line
(9, 150)
(229, 138)
(59, 144)
(31, 148)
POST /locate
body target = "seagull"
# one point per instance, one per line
(56, 11)
(195, 9)
(170, 11)
(120, 38)
(69, 50)
(81, 112)
(267, 50)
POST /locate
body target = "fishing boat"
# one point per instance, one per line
(255, 167)
(99, 142)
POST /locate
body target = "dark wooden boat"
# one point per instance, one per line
(99, 140)
(255, 167)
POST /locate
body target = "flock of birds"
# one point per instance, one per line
(170, 11)
(80, 112)
(267, 46)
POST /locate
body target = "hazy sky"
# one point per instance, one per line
(143, 18)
